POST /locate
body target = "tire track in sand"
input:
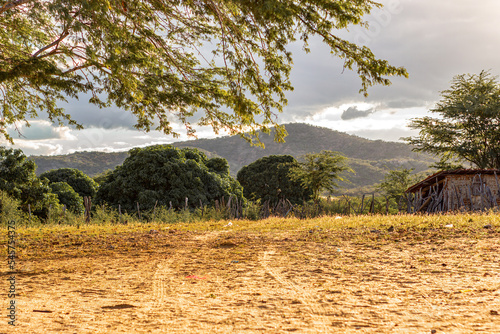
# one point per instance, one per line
(161, 278)
(302, 293)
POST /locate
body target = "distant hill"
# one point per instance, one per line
(370, 159)
(91, 163)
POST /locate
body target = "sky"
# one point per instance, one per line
(433, 40)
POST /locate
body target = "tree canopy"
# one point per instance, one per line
(158, 175)
(268, 178)
(468, 124)
(396, 182)
(78, 180)
(321, 171)
(165, 60)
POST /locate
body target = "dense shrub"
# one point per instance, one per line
(83, 184)
(157, 175)
(268, 178)
(18, 180)
(68, 196)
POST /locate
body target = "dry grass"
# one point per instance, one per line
(369, 274)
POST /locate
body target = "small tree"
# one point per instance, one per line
(396, 182)
(268, 178)
(468, 128)
(321, 171)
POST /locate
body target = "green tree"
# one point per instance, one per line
(468, 126)
(101, 177)
(269, 178)
(396, 182)
(18, 179)
(158, 175)
(68, 196)
(321, 171)
(163, 59)
(83, 184)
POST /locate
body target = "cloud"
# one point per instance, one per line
(90, 115)
(40, 131)
(354, 112)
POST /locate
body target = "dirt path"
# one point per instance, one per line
(254, 283)
(301, 294)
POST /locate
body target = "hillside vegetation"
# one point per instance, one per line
(370, 159)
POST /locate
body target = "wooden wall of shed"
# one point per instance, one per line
(459, 193)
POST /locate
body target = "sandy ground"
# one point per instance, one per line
(237, 282)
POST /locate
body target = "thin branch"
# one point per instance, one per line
(12, 4)
(55, 43)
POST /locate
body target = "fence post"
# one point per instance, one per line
(88, 204)
(139, 211)
(154, 210)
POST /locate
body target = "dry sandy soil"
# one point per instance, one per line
(314, 281)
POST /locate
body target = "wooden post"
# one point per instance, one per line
(154, 210)
(372, 205)
(186, 204)
(361, 207)
(139, 211)
(88, 205)
(386, 205)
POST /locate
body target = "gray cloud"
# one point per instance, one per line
(434, 41)
(38, 130)
(354, 112)
(89, 115)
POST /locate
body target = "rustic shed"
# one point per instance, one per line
(460, 189)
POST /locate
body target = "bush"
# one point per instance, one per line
(157, 175)
(67, 196)
(10, 209)
(78, 180)
(268, 179)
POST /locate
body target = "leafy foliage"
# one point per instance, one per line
(18, 180)
(68, 196)
(9, 209)
(81, 183)
(268, 179)
(320, 171)
(158, 175)
(396, 182)
(468, 126)
(101, 177)
(162, 59)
